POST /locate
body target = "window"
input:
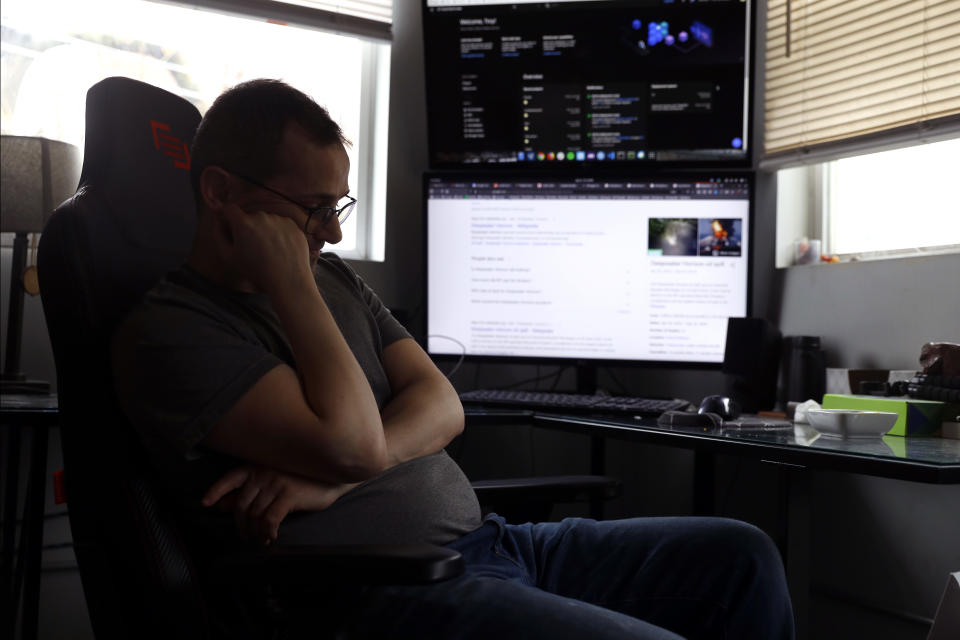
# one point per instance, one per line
(879, 205)
(862, 120)
(54, 50)
(837, 70)
(901, 200)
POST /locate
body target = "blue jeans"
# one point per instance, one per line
(645, 578)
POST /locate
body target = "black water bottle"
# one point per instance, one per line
(804, 369)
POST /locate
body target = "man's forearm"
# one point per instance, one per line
(333, 383)
(421, 419)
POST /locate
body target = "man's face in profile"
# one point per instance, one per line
(309, 176)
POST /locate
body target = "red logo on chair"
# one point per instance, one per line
(170, 145)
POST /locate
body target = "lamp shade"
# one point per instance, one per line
(38, 174)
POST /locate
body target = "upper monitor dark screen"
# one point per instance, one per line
(659, 82)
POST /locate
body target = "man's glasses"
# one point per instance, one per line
(321, 214)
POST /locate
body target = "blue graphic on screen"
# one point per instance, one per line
(702, 33)
(658, 32)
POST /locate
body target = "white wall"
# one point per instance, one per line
(875, 314)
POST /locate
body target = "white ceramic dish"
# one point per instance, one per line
(851, 423)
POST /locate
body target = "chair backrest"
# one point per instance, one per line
(131, 220)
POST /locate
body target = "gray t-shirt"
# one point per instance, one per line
(192, 348)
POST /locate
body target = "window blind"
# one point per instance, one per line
(364, 18)
(378, 10)
(856, 74)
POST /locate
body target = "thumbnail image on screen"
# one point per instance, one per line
(720, 237)
(673, 237)
(690, 237)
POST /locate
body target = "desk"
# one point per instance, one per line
(928, 460)
(33, 414)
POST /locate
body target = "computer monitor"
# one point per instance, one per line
(633, 268)
(585, 82)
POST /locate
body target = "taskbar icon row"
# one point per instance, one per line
(582, 156)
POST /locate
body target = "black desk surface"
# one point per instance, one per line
(933, 460)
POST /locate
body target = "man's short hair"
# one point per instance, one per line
(243, 129)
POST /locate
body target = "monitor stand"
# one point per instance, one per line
(587, 383)
(586, 378)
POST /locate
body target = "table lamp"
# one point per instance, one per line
(37, 175)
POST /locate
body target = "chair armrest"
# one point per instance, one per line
(293, 565)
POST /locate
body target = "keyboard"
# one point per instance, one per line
(572, 402)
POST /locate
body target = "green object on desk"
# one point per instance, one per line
(915, 417)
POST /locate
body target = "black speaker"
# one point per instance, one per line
(751, 361)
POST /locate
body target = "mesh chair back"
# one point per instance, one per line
(131, 220)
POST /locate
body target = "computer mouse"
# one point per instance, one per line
(725, 407)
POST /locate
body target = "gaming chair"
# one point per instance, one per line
(131, 221)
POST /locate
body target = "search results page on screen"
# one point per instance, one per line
(587, 268)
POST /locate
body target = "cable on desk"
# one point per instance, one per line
(623, 388)
(463, 352)
(537, 378)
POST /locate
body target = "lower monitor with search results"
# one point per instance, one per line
(627, 268)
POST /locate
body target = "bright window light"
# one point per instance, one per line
(894, 200)
(54, 50)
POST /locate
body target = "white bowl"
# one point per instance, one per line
(851, 423)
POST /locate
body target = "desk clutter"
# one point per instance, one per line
(914, 417)
(925, 402)
(851, 423)
(762, 368)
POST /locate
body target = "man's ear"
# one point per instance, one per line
(216, 185)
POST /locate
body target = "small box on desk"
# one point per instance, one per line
(917, 417)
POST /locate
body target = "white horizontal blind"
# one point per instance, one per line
(379, 10)
(846, 69)
(369, 19)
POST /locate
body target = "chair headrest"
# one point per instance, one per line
(137, 156)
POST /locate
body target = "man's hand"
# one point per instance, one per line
(270, 250)
(261, 498)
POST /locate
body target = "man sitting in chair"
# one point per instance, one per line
(266, 377)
